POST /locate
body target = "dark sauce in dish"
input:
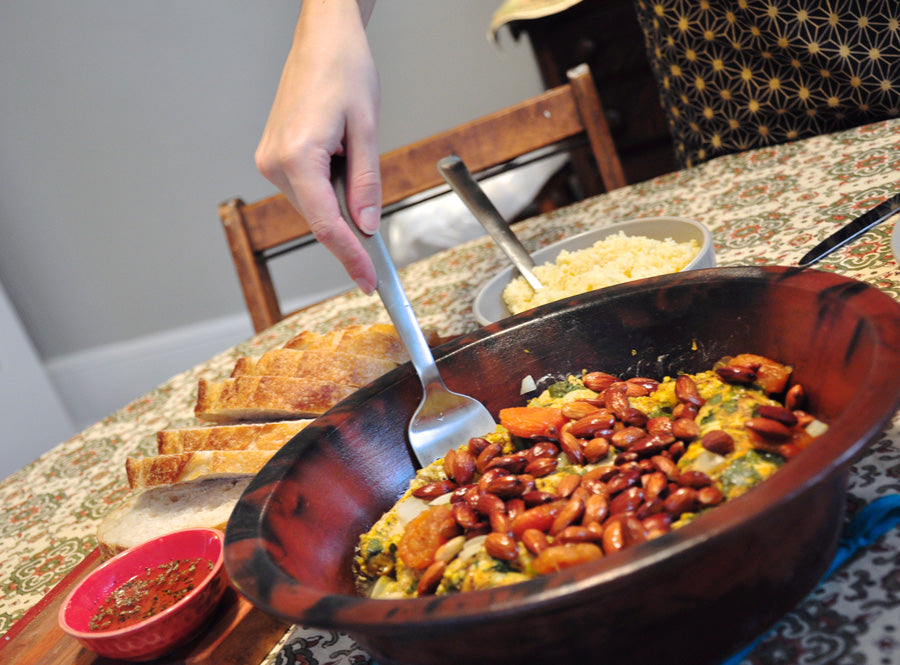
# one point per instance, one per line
(149, 592)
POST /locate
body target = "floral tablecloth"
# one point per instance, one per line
(767, 206)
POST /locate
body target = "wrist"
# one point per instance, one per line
(334, 19)
(337, 10)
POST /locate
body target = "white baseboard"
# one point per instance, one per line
(96, 382)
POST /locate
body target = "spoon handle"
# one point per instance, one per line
(389, 287)
(457, 175)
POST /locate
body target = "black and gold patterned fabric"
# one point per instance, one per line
(742, 74)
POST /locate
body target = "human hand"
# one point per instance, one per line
(327, 104)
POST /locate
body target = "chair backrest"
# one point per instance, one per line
(258, 231)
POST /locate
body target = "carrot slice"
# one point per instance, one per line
(533, 422)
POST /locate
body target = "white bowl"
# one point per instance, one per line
(489, 305)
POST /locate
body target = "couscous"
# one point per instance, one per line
(592, 465)
(616, 259)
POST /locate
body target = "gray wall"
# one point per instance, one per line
(123, 124)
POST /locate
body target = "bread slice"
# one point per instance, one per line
(380, 341)
(308, 339)
(376, 340)
(266, 398)
(245, 436)
(170, 469)
(345, 368)
(160, 510)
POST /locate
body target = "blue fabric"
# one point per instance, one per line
(869, 525)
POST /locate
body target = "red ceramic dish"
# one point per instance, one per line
(161, 632)
(697, 594)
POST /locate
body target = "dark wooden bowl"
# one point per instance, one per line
(696, 594)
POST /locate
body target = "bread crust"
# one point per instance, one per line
(333, 366)
(377, 340)
(146, 472)
(264, 398)
(244, 436)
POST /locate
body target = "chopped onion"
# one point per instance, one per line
(816, 428)
(707, 461)
(385, 588)
(471, 548)
(442, 499)
(450, 549)
(380, 587)
(528, 385)
(408, 509)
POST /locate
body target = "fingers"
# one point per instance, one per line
(318, 204)
(364, 170)
(305, 179)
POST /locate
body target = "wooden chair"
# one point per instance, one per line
(259, 231)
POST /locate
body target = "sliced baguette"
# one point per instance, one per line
(146, 472)
(308, 339)
(245, 436)
(379, 340)
(160, 510)
(266, 398)
(376, 340)
(345, 368)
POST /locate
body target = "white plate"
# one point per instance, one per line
(489, 305)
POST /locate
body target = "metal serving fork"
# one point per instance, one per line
(444, 419)
(461, 181)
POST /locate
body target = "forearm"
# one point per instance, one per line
(327, 104)
(330, 15)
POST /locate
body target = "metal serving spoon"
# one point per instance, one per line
(460, 179)
(444, 419)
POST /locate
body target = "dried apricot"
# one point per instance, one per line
(532, 422)
(425, 533)
(558, 557)
(771, 376)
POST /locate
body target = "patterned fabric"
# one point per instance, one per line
(766, 206)
(745, 74)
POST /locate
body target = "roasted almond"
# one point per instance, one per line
(768, 428)
(686, 391)
(598, 381)
(718, 441)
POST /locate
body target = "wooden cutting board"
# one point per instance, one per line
(238, 633)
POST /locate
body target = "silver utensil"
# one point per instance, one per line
(852, 230)
(444, 419)
(460, 179)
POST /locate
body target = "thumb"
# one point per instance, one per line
(364, 183)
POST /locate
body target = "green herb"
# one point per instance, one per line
(520, 443)
(560, 388)
(374, 548)
(743, 472)
(656, 411)
(502, 566)
(731, 406)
